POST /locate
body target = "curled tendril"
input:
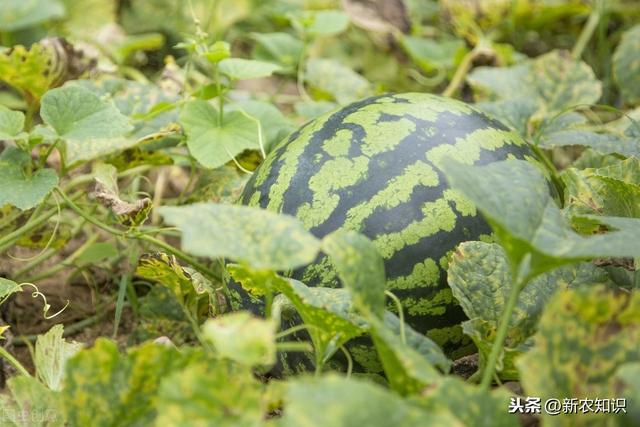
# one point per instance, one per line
(47, 306)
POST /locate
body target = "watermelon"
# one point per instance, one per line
(372, 167)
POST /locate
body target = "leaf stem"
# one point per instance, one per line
(14, 362)
(501, 334)
(588, 30)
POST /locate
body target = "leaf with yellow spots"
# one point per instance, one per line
(260, 238)
(31, 404)
(51, 356)
(583, 337)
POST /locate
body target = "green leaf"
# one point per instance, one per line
(340, 402)
(262, 239)
(8, 288)
(341, 82)
(514, 113)
(20, 14)
(493, 83)
(275, 126)
(513, 196)
(468, 404)
(76, 113)
(106, 388)
(627, 379)
(213, 143)
(360, 267)
(245, 339)
(281, 48)
(244, 69)
(11, 123)
(52, 354)
(211, 394)
(16, 187)
(31, 404)
(165, 269)
(481, 280)
(603, 143)
(584, 335)
(626, 65)
(433, 55)
(320, 23)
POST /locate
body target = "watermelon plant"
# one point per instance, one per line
(283, 213)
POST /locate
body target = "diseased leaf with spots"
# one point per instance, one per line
(360, 267)
(626, 65)
(481, 280)
(584, 335)
(213, 143)
(51, 356)
(243, 338)
(514, 198)
(603, 143)
(29, 403)
(214, 393)
(262, 239)
(351, 403)
(105, 388)
(17, 187)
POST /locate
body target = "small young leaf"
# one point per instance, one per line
(8, 288)
(11, 123)
(243, 338)
(52, 354)
(244, 69)
(16, 188)
(213, 143)
(626, 65)
(262, 239)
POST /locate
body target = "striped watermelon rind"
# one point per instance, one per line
(372, 167)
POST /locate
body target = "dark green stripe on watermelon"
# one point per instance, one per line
(371, 167)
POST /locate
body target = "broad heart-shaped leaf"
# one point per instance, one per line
(213, 143)
(16, 188)
(213, 393)
(165, 269)
(584, 335)
(626, 65)
(281, 48)
(603, 143)
(8, 288)
(481, 280)
(627, 380)
(275, 125)
(328, 311)
(513, 196)
(612, 190)
(20, 14)
(262, 239)
(554, 80)
(469, 404)
(11, 123)
(52, 353)
(360, 267)
(31, 404)
(338, 80)
(106, 388)
(76, 113)
(243, 338)
(243, 69)
(339, 402)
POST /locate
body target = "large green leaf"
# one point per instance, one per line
(339, 402)
(512, 112)
(584, 335)
(481, 280)
(243, 69)
(604, 143)
(215, 393)
(360, 267)
(51, 356)
(626, 65)
(275, 125)
(213, 143)
(31, 404)
(20, 14)
(433, 55)
(262, 239)
(513, 196)
(243, 338)
(19, 189)
(106, 388)
(281, 48)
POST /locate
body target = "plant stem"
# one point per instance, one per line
(501, 334)
(4, 353)
(461, 72)
(588, 30)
